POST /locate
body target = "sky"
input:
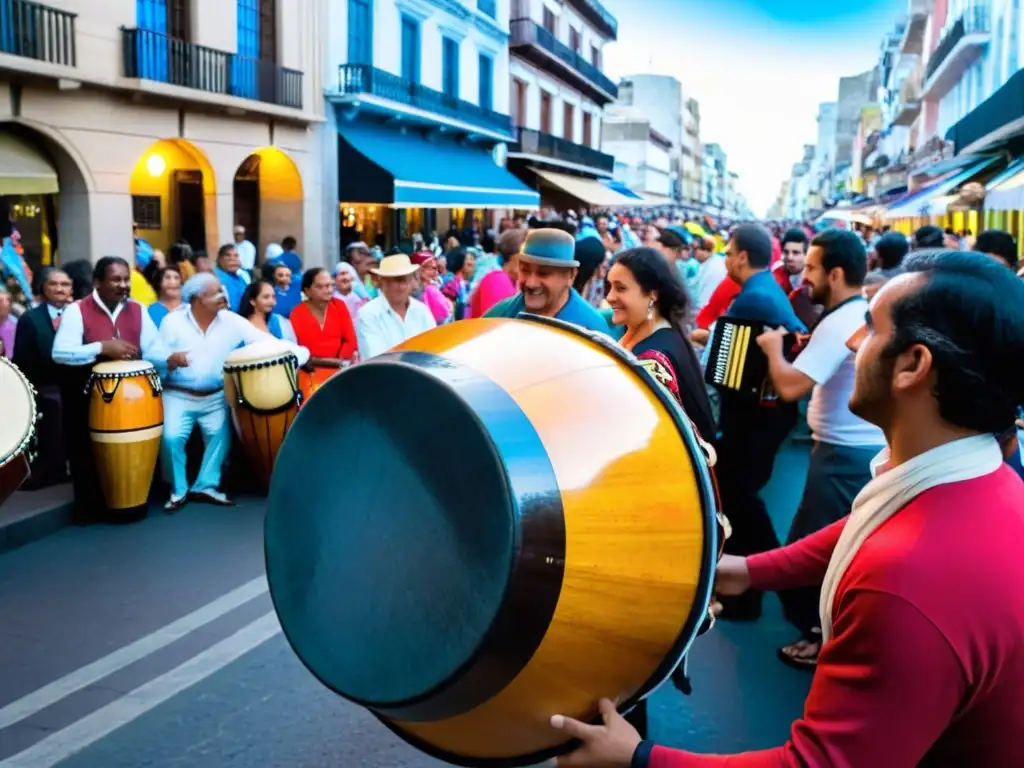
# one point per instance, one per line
(759, 69)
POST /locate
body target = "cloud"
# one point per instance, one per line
(759, 70)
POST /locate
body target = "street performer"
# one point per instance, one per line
(106, 325)
(921, 610)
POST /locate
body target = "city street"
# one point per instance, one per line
(157, 645)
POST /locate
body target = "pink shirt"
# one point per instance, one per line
(927, 664)
(494, 287)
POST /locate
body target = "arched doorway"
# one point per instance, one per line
(44, 194)
(268, 198)
(174, 196)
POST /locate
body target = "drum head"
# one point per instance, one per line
(259, 352)
(419, 507)
(18, 413)
(124, 368)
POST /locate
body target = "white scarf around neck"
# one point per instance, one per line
(891, 489)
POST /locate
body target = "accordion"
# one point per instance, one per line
(736, 363)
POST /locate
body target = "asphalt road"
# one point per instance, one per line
(156, 645)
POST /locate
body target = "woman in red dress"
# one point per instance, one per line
(323, 325)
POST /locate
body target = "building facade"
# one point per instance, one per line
(185, 118)
(691, 156)
(557, 95)
(418, 119)
(713, 178)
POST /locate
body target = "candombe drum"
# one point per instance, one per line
(497, 521)
(126, 421)
(17, 427)
(311, 381)
(263, 394)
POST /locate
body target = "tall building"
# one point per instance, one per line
(185, 118)
(419, 121)
(713, 178)
(691, 156)
(558, 94)
(823, 162)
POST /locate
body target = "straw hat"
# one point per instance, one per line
(398, 265)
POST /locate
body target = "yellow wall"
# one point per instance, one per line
(281, 199)
(177, 155)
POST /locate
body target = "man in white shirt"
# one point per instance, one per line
(394, 315)
(843, 444)
(199, 340)
(711, 272)
(246, 250)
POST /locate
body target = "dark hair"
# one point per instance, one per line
(891, 248)
(252, 290)
(996, 242)
(794, 235)
(456, 259)
(755, 240)
(510, 243)
(80, 271)
(103, 266)
(224, 250)
(158, 277)
(842, 249)
(40, 278)
(488, 243)
(652, 272)
(929, 236)
(590, 252)
(178, 253)
(969, 313)
(288, 243)
(275, 265)
(564, 226)
(309, 276)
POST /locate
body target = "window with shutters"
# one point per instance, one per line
(410, 49)
(450, 67)
(360, 31)
(486, 82)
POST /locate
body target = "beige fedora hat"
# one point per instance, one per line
(398, 265)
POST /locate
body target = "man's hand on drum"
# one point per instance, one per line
(732, 577)
(115, 349)
(609, 745)
(177, 360)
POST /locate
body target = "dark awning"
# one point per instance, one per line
(997, 118)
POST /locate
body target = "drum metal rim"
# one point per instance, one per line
(705, 583)
(254, 366)
(383, 711)
(33, 414)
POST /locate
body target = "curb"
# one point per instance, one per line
(36, 522)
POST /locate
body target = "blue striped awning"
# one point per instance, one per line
(622, 189)
(388, 166)
(919, 202)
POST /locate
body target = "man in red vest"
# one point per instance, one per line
(106, 325)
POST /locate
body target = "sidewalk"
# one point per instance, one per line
(32, 515)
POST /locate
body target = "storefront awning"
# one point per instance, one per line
(622, 189)
(590, 191)
(381, 165)
(1006, 191)
(919, 203)
(23, 169)
(657, 201)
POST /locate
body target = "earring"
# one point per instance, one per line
(650, 310)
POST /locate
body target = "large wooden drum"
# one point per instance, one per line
(263, 394)
(126, 422)
(497, 521)
(17, 427)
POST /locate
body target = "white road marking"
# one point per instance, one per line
(53, 692)
(104, 721)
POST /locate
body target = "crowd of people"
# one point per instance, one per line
(903, 349)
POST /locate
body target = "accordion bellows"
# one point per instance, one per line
(735, 361)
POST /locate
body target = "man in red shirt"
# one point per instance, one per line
(922, 608)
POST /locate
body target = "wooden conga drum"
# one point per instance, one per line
(126, 422)
(311, 381)
(17, 427)
(525, 524)
(263, 394)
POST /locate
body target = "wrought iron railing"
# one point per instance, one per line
(974, 20)
(597, 14)
(37, 31)
(153, 56)
(363, 79)
(529, 32)
(531, 142)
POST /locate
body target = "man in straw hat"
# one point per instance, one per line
(547, 269)
(394, 315)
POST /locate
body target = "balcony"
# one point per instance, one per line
(534, 43)
(531, 143)
(961, 46)
(488, 7)
(356, 81)
(908, 107)
(35, 31)
(912, 41)
(595, 13)
(152, 56)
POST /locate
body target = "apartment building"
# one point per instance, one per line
(691, 159)
(557, 97)
(181, 116)
(418, 120)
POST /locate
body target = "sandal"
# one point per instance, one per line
(803, 654)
